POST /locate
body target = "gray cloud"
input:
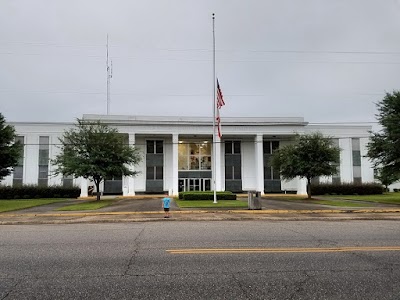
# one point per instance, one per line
(325, 60)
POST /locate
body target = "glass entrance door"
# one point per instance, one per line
(194, 184)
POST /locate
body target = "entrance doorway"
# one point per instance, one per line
(194, 184)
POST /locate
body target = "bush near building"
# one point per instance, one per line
(36, 192)
(348, 189)
(209, 195)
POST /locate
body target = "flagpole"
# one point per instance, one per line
(108, 82)
(214, 171)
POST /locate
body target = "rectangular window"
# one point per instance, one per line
(159, 147)
(150, 173)
(356, 158)
(236, 147)
(194, 156)
(18, 173)
(20, 139)
(228, 147)
(232, 147)
(233, 173)
(267, 173)
(356, 172)
(355, 144)
(43, 160)
(159, 173)
(237, 173)
(270, 147)
(154, 173)
(155, 147)
(266, 147)
(150, 147)
(274, 146)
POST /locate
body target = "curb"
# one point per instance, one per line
(249, 212)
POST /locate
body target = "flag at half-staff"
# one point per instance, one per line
(220, 103)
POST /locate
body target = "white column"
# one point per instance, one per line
(302, 186)
(84, 187)
(218, 177)
(31, 164)
(130, 180)
(367, 170)
(175, 181)
(346, 160)
(259, 167)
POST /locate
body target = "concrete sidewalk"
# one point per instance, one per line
(149, 209)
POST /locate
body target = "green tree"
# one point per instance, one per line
(96, 151)
(384, 147)
(386, 177)
(311, 155)
(10, 151)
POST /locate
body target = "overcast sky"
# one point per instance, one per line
(324, 60)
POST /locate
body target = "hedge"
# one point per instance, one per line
(347, 189)
(34, 192)
(209, 195)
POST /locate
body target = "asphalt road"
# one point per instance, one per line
(169, 260)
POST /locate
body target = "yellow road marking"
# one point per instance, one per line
(280, 250)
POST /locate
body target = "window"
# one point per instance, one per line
(154, 173)
(233, 173)
(355, 144)
(194, 156)
(270, 147)
(271, 174)
(43, 160)
(232, 147)
(356, 158)
(155, 147)
(18, 173)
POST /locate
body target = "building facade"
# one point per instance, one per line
(177, 154)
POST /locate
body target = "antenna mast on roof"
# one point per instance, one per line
(109, 76)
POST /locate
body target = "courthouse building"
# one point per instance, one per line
(177, 154)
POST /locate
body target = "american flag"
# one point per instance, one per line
(220, 103)
(219, 126)
(220, 98)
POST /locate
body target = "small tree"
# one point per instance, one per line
(384, 147)
(10, 151)
(311, 156)
(94, 150)
(386, 177)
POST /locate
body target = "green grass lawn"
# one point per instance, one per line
(340, 200)
(388, 198)
(87, 205)
(331, 202)
(210, 204)
(10, 205)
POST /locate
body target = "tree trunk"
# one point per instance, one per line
(97, 183)
(308, 188)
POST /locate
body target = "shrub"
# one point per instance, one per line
(347, 189)
(32, 191)
(208, 195)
